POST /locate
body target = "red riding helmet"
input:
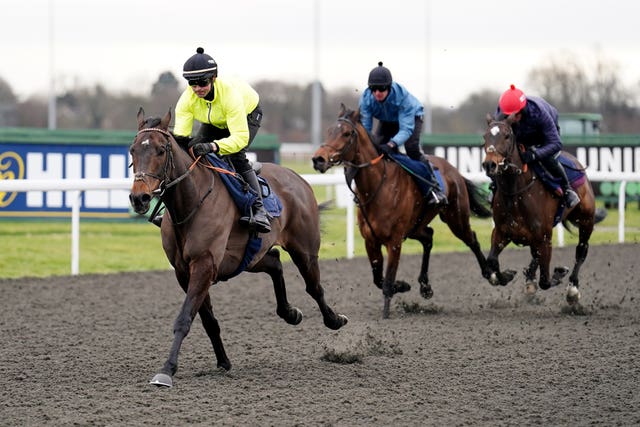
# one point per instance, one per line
(512, 100)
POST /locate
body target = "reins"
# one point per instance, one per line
(169, 164)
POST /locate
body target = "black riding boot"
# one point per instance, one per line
(553, 165)
(436, 196)
(260, 217)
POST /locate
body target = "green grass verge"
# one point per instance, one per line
(43, 248)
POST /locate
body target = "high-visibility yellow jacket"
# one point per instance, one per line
(233, 101)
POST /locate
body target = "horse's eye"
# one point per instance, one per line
(346, 134)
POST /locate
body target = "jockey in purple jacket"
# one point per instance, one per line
(536, 127)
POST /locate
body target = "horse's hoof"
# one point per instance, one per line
(573, 295)
(295, 316)
(493, 279)
(530, 287)
(162, 380)
(401, 286)
(426, 291)
(507, 276)
(558, 274)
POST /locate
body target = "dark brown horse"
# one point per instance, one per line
(391, 206)
(524, 211)
(204, 241)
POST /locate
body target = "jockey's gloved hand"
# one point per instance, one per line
(204, 148)
(528, 155)
(388, 148)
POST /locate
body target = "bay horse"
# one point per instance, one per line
(204, 241)
(391, 206)
(524, 212)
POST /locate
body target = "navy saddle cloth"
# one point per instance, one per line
(574, 172)
(243, 195)
(244, 198)
(419, 172)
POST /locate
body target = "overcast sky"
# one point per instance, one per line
(440, 50)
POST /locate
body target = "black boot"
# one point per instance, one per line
(571, 198)
(260, 217)
(436, 196)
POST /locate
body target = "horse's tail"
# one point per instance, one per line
(478, 200)
(601, 213)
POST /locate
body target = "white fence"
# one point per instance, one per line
(336, 180)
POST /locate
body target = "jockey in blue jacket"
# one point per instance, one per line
(400, 117)
(536, 127)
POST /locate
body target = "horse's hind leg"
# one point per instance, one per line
(457, 220)
(310, 271)
(211, 326)
(271, 265)
(582, 249)
(423, 278)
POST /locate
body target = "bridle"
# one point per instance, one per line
(506, 162)
(164, 185)
(168, 164)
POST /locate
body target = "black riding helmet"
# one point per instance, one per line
(380, 76)
(200, 66)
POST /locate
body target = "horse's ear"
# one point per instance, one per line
(164, 123)
(343, 109)
(511, 118)
(356, 116)
(140, 118)
(489, 118)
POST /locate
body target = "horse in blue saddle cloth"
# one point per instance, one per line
(392, 206)
(527, 204)
(205, 242)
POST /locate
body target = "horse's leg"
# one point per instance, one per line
(530, 274)
(209, 322)
(211, 326)
(543, 251)
(310, 271)
(374, 253)
(202, 272)
(494, 275)
(393, 260)
(582, 249)
(423, 278)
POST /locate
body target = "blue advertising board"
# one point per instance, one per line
(63, 161)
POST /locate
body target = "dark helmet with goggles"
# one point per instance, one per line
(200, 67)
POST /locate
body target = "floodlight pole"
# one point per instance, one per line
(316, 95)
(52, 90)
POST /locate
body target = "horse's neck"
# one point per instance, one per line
(196, 188)
(512, 185)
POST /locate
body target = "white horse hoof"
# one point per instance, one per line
(530, 288)
(573, 295)
(493, 279)
(162, 380)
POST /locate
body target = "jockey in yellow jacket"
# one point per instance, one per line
(230, 116)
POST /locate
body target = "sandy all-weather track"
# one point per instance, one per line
(81, 350)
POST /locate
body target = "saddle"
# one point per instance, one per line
(420, 173)
(241, 193)
(574, 172)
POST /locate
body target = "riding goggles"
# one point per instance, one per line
(199, 82)
(378, 88)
